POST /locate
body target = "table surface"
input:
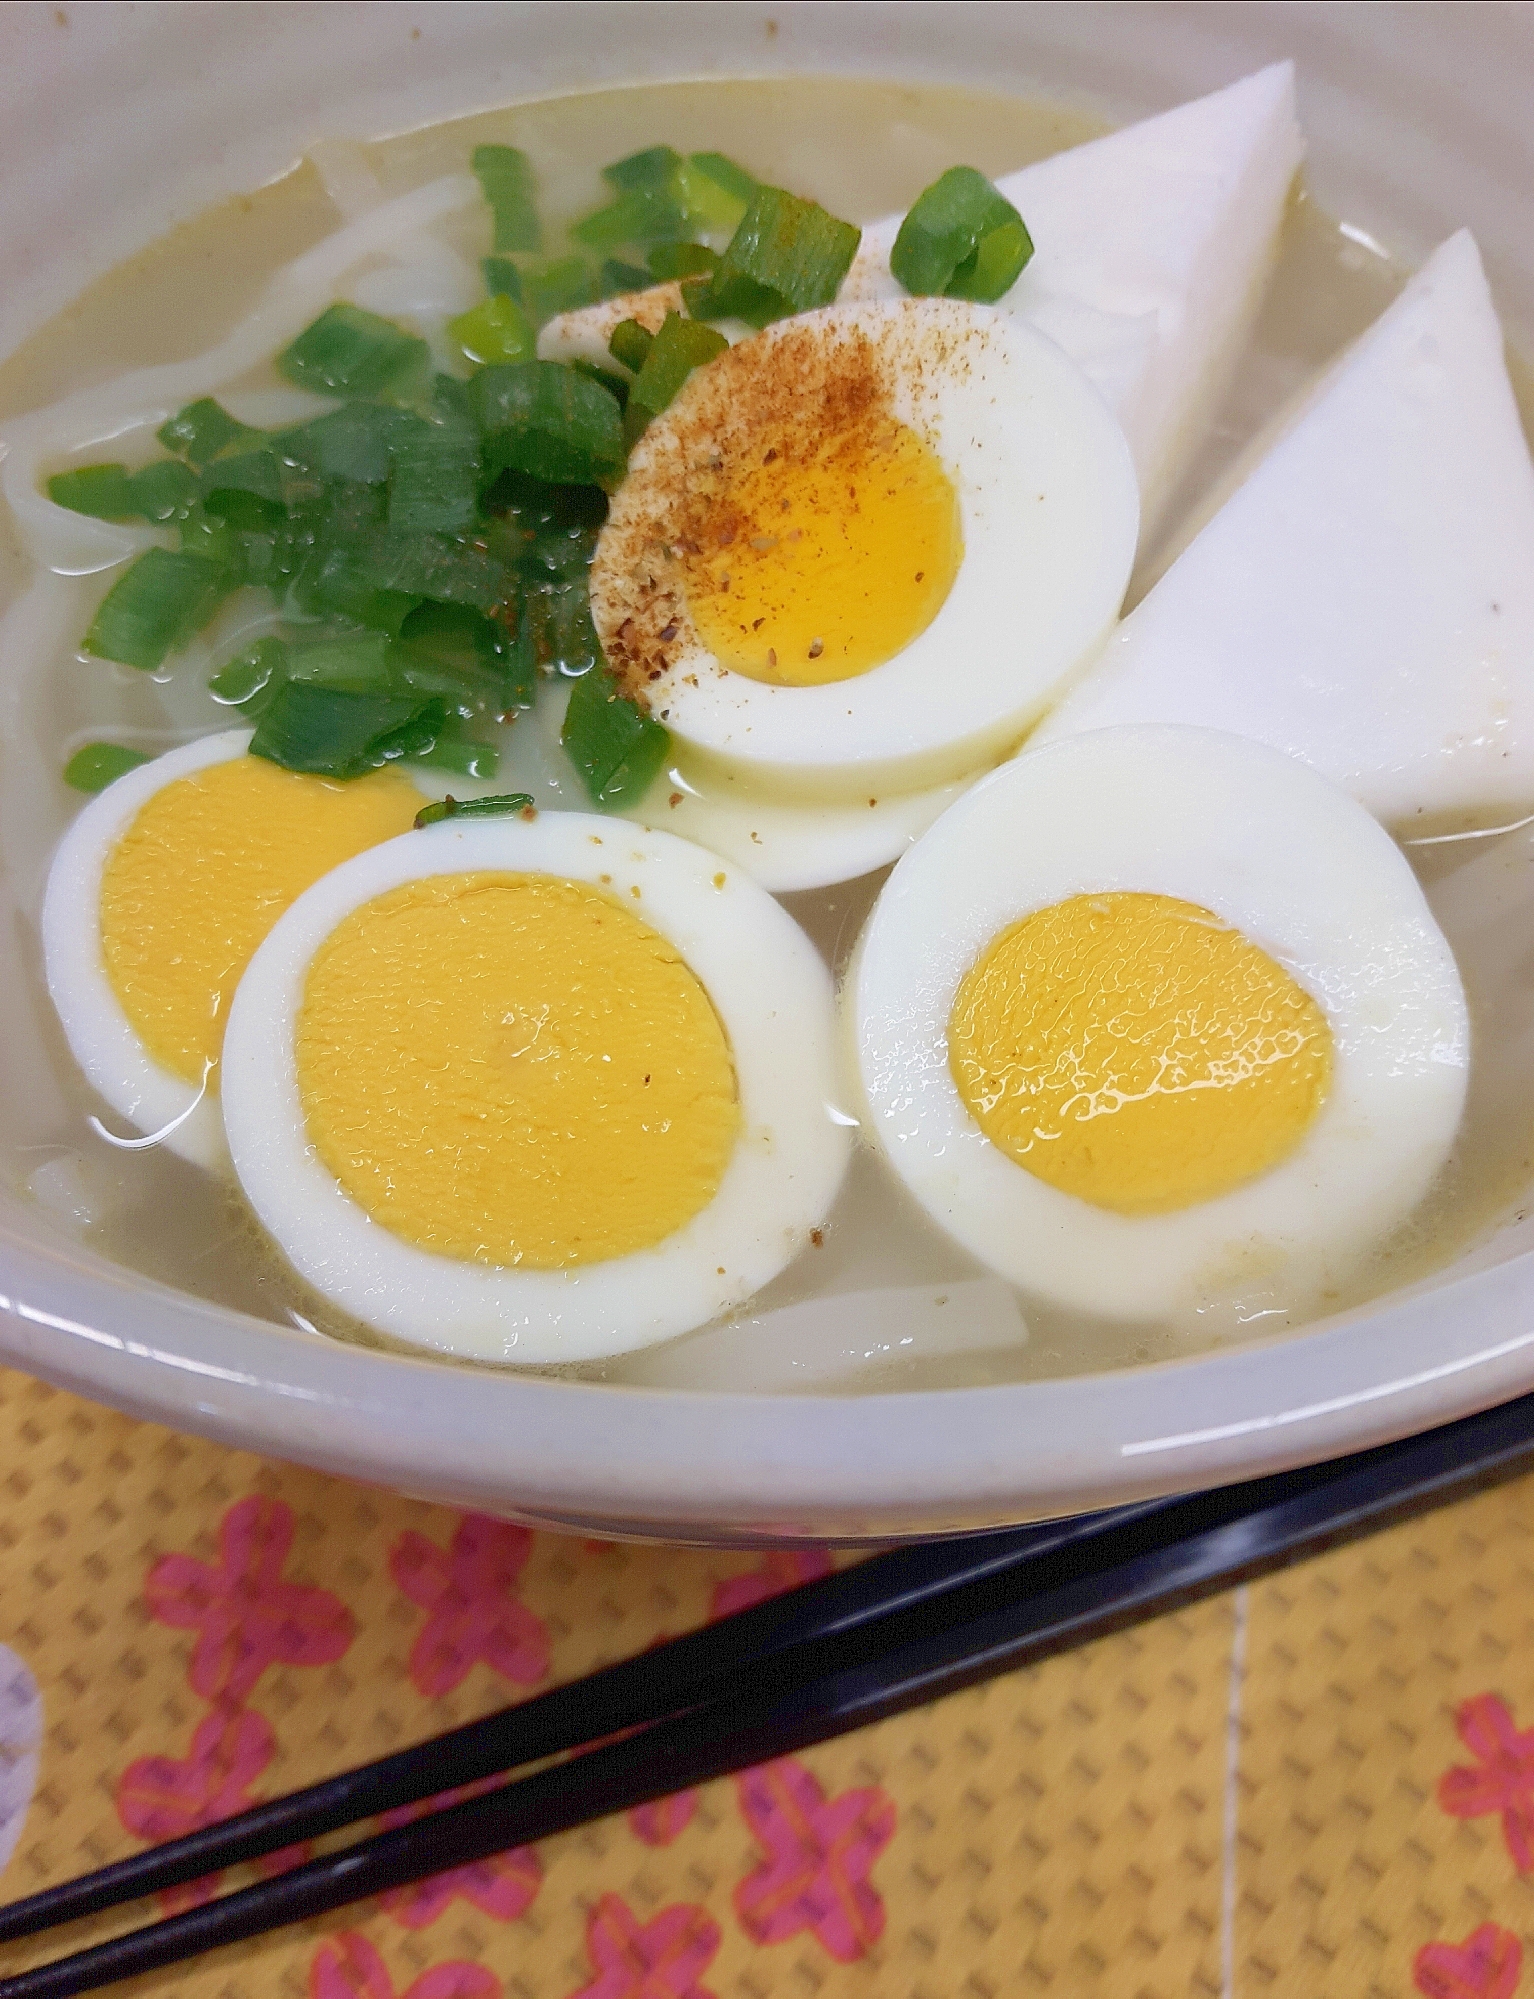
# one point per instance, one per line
(1319, 1784)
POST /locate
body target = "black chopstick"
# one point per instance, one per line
(1071, 1586)
(631, 1693)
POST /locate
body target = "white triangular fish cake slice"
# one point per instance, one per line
(1152, 248)
(1365, 598)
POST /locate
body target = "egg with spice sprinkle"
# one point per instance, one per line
(850, 566)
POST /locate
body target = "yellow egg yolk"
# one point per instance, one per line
(204, 871)
(1137, 1052)
(818, 565)
(515, 1069)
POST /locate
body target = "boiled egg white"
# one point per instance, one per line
(158, 894)
(536, 1089)
(1157, 1023)
(855, 560)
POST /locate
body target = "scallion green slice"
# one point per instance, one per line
(165, 490)
(242, 681)
(447, 570)
(154, 607)
(162, 491)
(564, 285)
(679, 347)
(551, 421)
(506, 175)
(459, 642)
(787, 256)
(96, 765)
(496, 330)
(961, 239)
(434, 485)
(502, 278)
(617, 277)
(461, 754)
(639, 215)
(681, 260)
(653, 167)
(349, 352)
(334, 732)
(202, 430)
(246, 490)
(103, 491)
(473, 808)
(709, 202)
(351, 443)
(616, 747)
(629, 343)
(360, 662)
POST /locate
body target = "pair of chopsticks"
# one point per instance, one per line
(900, 1629)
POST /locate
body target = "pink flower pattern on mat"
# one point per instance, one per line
(819, 1852)
(1485, 1966)
(1504, 1781)
(661, 1959)
(348, 1967)
(467, 1592)
(502, 1886)
(781, 1569)
(162, 1797)
(246, 1616)
(663, 1819)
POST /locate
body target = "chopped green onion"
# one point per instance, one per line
(651, 168)
(679, 347)
(216, 541)
(615, 278)
(542, 418)
(339, 579)
(502, 278)
(165, 490)
(564, 285)
(347, 351)
(160, 492)
(639, 215)
(154, 607)
(435, 483)
(359, 662)
(457, 641)
(617, 386)
(506, 176)
(260, 669)
(725, 173)
(497, 330)
(334, 732)
(423, 565)
(461, 754)
(245, 490)
(96, 765)
(103, 491)
(615, 746)
(705, 202)
(350, 443)
(629, 343)
(961, 239)
(473, 808)
(202, 430)
(787, 256)
(681, 260)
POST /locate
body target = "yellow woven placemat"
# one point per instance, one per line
(1318, 1785)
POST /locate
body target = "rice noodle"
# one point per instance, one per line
(394, 232)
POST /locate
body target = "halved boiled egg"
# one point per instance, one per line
(858, 557)
(536, 1090)
(158, 894)
(1157, 1023)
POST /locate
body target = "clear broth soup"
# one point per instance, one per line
(862, 149)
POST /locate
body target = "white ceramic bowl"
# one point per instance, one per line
(117, 121)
